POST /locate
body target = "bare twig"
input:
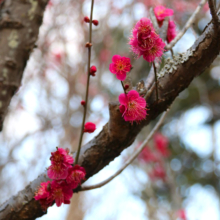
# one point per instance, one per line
(214, 14)
(163, 29)
(87, 85)
(154, 20)
(138, 151)
(123, 87)
(187, 25)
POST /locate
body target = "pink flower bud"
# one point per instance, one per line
(89, 127)
(93, 70)
(95, 22)
(83, 102)
(86, 19)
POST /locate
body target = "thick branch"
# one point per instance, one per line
(19, 26)
(131, 159)
(117, 134)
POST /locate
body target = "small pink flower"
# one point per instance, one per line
(158, 173)
(43, 192)
(42, 195)
(147, 156)
(161, 12)
(155, 52)
(61, 156)
(61, 192)
(120, 66)
(133, 106)
(171, 31)
(75, 175)
(89, 127)
(161, 143)
(143, 28)
(60, 162)
(58, 171)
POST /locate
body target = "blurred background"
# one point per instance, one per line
(175, 177)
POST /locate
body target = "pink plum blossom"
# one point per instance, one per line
(60, 162)
(155, 52)
(61, 192)
(120, 66)
(42, 194)
(133, 106)
(43, 191)
(161, 12)
(145, 41)
(75, 175)
(143, 28)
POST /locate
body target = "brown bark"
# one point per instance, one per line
(117, 135)
(19, 26)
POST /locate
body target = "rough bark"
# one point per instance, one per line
(19, 26)
(117, 135)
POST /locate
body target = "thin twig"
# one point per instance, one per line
(187, 25)
(87, 85)
(156, 82)
(123, 87)
(138, 151)
(163, 29)
(214, 14)
(154, 20)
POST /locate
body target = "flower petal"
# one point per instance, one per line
(115, 58)
(123, 99)
(121, 75)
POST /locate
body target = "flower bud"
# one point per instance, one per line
(95, 22)
(89, 127)
(83, 102)
(86, 19)
(93, 70)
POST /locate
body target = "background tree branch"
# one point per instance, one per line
(20, 21)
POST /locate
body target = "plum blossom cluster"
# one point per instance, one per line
(156, 157)
(145, 41)
(161, 13)
(65, 177)
(132, 105)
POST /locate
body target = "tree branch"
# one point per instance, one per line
(133, 157)
(18, 36)
(117, 134)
